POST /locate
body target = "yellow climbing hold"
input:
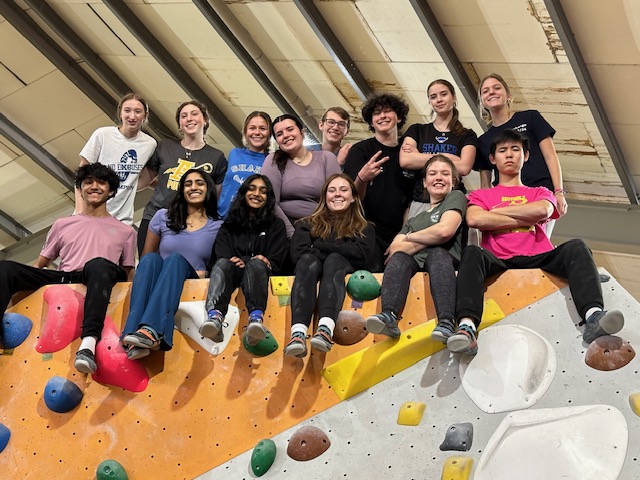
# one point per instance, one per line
(280, 286)
(370, 366)
(410, 413)
(457, 468)
(634, 401)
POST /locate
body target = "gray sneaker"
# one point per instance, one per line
(255, 332)
(85, 361)
(384, 323)
(212, 327)
(297, 346)
(443, 330)
(322, 339)
(602, 323)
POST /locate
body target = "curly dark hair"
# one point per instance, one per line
(99, 172)
(238, 216)
(385, 100)
(177, 212)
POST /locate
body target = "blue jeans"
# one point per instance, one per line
(155, 294)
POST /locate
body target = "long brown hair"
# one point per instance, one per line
(348, 224)
(454, 125)
(280, 158)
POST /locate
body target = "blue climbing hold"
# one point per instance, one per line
(14, 330)
(5, 433)
(62, 395)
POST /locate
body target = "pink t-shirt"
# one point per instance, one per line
(513, 242)
(80, 238)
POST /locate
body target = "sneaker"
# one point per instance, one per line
(134, 353)
(297, 346)
(144, 337)
(443, 330)
(212, 326)
(322, 339)
(464, 341)
(602, 323)
(384, 323)
(255, 332)
(85, 361)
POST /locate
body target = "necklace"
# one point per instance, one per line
(300, 161)
(188, 151)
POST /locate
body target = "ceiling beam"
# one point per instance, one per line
(581, 71)
(11, 227)
(431, 25)
(219, 16)
(138, 29)
(37, 153)
(335, 48)
(95, 62)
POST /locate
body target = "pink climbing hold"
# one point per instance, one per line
(114, 368)
(63, 322)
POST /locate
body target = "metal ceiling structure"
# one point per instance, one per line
(64, 64)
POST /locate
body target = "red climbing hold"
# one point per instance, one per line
(63, 322)
(114, 368)
(307, 443)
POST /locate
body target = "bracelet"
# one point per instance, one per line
(558, 190)
(360, 178)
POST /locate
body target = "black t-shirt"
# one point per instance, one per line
(430, 140)
(535, 172)
(389, 194)
(171, 161)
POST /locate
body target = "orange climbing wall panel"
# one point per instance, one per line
(198, 410)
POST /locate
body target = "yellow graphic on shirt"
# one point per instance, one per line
(176, 173)
(510, 201)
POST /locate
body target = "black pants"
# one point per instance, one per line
(98, 274)
(142, 235)
(225, 277)
(330, 298)
(442, 281)
(571, 260)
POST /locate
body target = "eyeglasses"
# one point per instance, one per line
(332, 123)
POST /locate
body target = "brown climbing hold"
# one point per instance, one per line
(307, 443)
(609, 353)
(350, 328)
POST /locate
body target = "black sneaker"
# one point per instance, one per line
(464, 341)
(85, 361)
(602, 323)
(384, 323)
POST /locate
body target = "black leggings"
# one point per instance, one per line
(330, 298)
(225, 277)
(442, 281)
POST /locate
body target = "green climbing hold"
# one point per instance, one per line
(363, 286)
(264, 347)
(263, 456)
(111, 470)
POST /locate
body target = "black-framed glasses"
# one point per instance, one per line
(332, 123)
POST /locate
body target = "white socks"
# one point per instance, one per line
(591, 311)
(328, 323)
(89, 343)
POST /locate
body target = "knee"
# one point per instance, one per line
(223, 264)
(174, 259)
(438, 255)
(472, 252)
(99, 265)
(256, 265)
(308, 261)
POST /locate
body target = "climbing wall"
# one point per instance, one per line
(202, 414)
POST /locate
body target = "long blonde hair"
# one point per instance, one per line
(348, 224)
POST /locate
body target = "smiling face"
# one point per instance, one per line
(441, 99)
(509, 158)
(94, 191)
(339, 195)
(132, 116)
(256, 196)
(191, 121)
(288, 135)
(334, 128)
(493, 94)
(257, 134)
(195, 189)
(384, 120)
(438, 180)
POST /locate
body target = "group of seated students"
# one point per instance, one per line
(386, 204)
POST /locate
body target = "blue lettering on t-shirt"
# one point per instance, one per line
(128, 164)
(439, 148)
